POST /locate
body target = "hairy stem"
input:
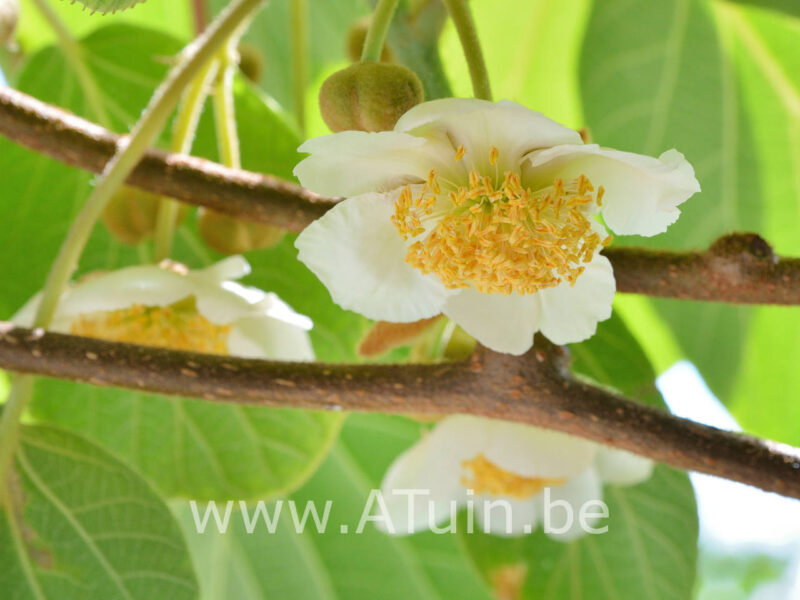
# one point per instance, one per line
(299, 29)
(225, 117)
(128, 153)
(378, 26)
(182, 139)
(465, 26)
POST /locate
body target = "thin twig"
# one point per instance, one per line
(535, 388)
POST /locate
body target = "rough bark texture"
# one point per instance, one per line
(535, 389)
(54, 132)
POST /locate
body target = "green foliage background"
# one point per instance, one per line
(717, 79)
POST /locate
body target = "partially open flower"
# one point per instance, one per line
(485, 212)
(467, 459)
(170, 306)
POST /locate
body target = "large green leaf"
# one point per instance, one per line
(34, 33)
(766, 51)
(187, 448)
(654, 76)
(192, 448)
(788, 6)
(650, 548)
(350, 566)
(80, 525)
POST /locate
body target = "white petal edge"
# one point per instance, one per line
(619, 467)
(570, 313)
(642, 192)
(421, 469)
(355, 250)
(501, 323)
(513, 129)
(534, 452)
(579, 490)
(263, 337)
(507, 517)
(350, 163)
(147, 285)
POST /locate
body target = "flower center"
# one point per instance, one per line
(488, 478)
(501, 238)
(178, 326)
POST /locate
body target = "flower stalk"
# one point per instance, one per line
(467, 34)
(128, 153)
(378, 26)
(299, 27)
(182, 140)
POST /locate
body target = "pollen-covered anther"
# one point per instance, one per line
(502, 238)
(178, 326)
(488, 478)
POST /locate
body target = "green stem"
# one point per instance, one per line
(378, 26)
(182, 139)
(299, 28)
(465, 26)
(21, 390)
(74, 54)
(225, 117)
(193, 58)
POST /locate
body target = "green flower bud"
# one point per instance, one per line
(9, 15)
(251, 63)
(368, 96)
(131, 214)
(228, 235)
(356, 36)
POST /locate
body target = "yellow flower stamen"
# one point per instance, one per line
(178, 326)
(501, 238)
(488, 478)
(460, 152)
(493, 154)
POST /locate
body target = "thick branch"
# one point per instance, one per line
(740, 268)
(534, 389)
(77, 142)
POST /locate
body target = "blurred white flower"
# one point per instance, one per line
(484, 212)
(172, 307)
(467, 459)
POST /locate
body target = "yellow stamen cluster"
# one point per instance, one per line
(488, 478)
(178, 326)
(501, 238)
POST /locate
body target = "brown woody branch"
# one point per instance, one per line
(740, 268)
(61, 135)
(535, 389)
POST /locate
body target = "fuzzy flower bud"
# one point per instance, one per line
(131, 214)
(233, 236)
(368, 96)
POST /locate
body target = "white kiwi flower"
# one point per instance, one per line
(171, 306)
(485, 212)
(510, 473)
